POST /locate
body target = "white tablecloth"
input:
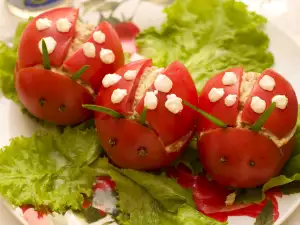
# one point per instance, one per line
(284, 13)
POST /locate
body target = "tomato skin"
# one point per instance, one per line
(130, 136)
(126, 106)
(218, 108)
(228, 160)
(59, 89)
(28, 51)
(34, 85)
(156, 145)
(97, 70)
(226, 154)
(281, 122)
(169, 126)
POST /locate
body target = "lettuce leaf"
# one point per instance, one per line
(8, 58)
(145, 198)
(266, 215)
(288, 180)
(48, 169)
(208, 37)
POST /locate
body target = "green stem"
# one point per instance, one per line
(256, 127)
(143, 116)
(211, 118)
(78, 74)
(105, 110)
(46, 60)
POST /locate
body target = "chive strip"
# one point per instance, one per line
(105, 110)
(260, 122)
(46, 60)
(143, 116)
(211, 118)
(78, 74)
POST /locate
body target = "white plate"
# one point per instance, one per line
(287, 57)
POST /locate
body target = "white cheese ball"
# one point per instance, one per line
(63, 25)
(281, 101)
(230, 100)
(89, 50)
(174, 104)
(150, 100)
(216, 94)
(110, 79)
(99, 37)
(130, 75)
(50, 44)
(267, 83)
(258, 105)
(107, 56)
(118, 95)
(163, 83)
(43, 24)
(229, 78)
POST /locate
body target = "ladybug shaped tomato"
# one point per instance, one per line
(52, 93)
(155, 126)
(240, 156)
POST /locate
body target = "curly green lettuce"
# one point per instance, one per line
(48, 169)
(148, 199)
(208, 37)
(8, 59)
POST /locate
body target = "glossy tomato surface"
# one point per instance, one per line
(237, 156)
(131, 144)
(53, 95)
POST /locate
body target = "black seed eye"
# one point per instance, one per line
(223, 160)
(251, 163)
(142, 151)
(112, 142)
(62, 108)
(42, 101)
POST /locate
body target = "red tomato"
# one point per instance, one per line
(51, 94)
(52, 97)
(210, 197)
(129, 143)
(236, 156)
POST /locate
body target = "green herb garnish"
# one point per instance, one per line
(105, 110)
(46, 60)
(263, 118)
(143, 116)
(79, 73)
(211, 118)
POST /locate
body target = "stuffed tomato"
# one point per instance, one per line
(154, 126)
(45, 79)
(240, 156)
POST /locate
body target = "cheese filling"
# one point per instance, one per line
(259, 105)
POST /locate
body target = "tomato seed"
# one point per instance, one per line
(112, 142)
(223, 160)
(142, 152)
(42, 101)
(62, 108)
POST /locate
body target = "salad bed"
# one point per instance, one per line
(54, 170)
